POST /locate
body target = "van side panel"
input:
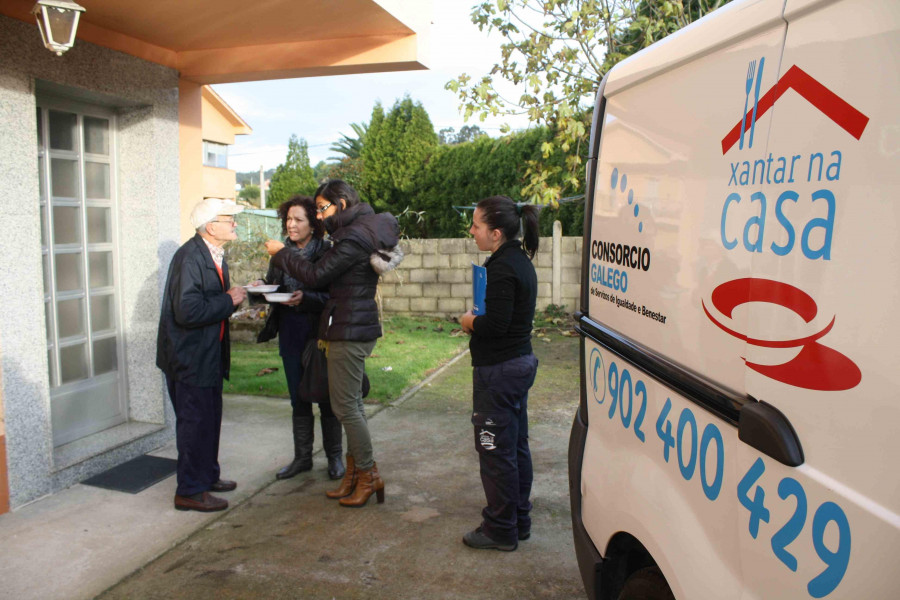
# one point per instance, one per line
(744, 237)
(830, 241)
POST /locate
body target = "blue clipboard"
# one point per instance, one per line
(479, 287)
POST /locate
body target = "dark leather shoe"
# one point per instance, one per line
(296, 467)
(203, 502)
(524, 535)
(480, 541)
(223, 485)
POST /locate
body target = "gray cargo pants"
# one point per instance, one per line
(346, 365)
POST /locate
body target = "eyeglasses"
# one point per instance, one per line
(231, 221)
(324, 208)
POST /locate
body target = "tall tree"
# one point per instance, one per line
(447, 136)
(372, 165)
(397, 146)
(560, 50)
(293, 176)
(467, 133)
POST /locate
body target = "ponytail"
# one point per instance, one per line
(530, 234)
(512, 219)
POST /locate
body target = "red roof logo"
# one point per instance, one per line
(830, 104)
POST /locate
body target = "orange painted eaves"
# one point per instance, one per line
(240, 125)
(129, 45)
(310, 58)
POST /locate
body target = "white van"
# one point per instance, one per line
(738, 435)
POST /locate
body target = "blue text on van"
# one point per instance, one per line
(761, 171)
(754, 230)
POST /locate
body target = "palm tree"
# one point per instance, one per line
(348, 146)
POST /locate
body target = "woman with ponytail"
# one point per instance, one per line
(504, 368)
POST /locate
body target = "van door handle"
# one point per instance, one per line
(765, 428)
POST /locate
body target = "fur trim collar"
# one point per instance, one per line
(386, 260)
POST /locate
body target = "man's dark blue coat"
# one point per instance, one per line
(194, 305)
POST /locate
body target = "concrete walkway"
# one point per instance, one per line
(284, 539)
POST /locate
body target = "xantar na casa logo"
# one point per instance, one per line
(812, 365)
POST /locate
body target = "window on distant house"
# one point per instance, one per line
(215, 155)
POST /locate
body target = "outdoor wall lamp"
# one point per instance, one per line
(57, 21)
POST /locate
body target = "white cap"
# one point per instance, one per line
(210, 208)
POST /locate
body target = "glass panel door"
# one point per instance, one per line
(78, 241)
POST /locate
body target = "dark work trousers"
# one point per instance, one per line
(198, 421)
(500, 419)
(293, 373)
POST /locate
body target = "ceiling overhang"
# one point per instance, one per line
(224, 41)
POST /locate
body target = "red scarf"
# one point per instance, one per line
(222, 279)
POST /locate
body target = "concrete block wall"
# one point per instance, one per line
(435, 277)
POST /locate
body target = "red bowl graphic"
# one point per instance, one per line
(815, 367)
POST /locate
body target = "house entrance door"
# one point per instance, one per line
(81, 284)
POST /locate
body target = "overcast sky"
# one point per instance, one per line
(320, 109)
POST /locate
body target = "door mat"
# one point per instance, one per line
(134, 476)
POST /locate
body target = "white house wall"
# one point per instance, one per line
(146, 99)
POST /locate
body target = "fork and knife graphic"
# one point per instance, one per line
(751, 70)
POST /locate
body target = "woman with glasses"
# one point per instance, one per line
(295, 322)
(365, 246)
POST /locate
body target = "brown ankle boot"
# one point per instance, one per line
(348, 483)
(367, 483)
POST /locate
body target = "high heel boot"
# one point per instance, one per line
(367, 483)
(303, 442)
(348, 483)
(331, 443)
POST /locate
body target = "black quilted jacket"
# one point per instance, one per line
(350, 314)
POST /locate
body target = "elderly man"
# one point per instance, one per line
(193, 350)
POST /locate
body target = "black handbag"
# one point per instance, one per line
(314, 383)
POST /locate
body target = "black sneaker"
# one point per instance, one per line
(480, 541)
(524, 535)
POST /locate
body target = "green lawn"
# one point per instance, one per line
(409, 351)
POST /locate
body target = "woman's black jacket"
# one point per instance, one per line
(351, 313)
(295, 323)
